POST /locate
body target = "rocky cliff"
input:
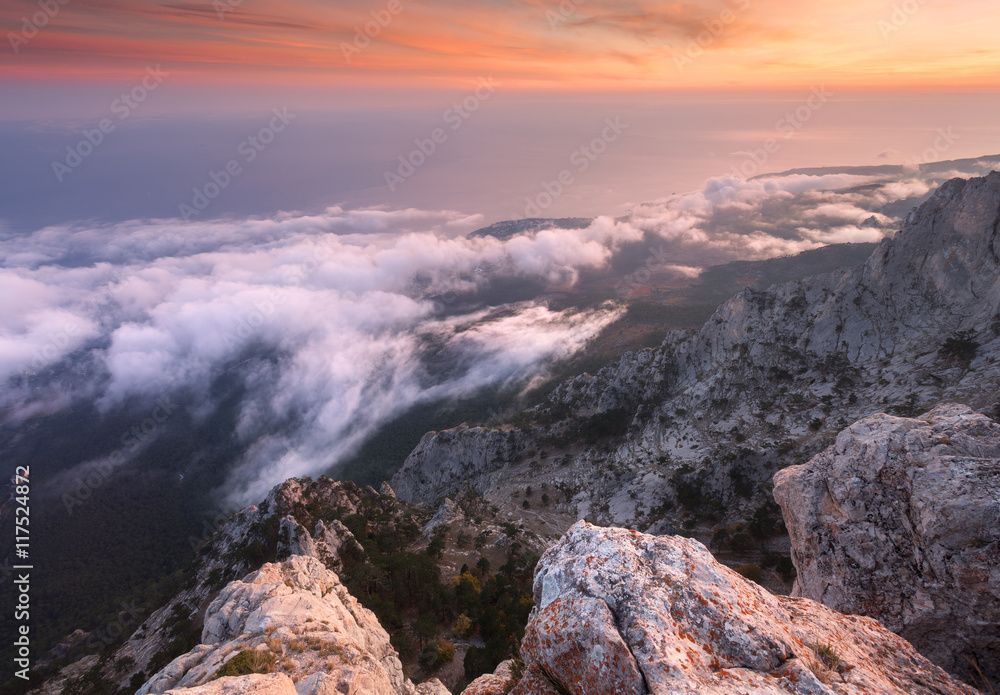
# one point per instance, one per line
(708, 418)
(619, 612)
(294, 618)
(900, 520)
(298, 518)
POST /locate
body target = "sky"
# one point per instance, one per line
(572, 45)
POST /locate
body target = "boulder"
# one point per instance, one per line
(619, 612)
(497, 683)
(432, 687)
(900, 520)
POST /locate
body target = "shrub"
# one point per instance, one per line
(785, 567)
(720, 538)
(826, 664)
(751, 572)
(137, 681)
(437, 653)
(741, 543)
(961, 346)
(463, 626)
(247, 662)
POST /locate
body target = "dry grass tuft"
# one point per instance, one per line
(826, 663)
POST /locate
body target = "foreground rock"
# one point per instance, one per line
(619, 612)
(900, 520)
(296, 619)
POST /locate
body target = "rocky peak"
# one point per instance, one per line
(900, 520)
(293, 618)
(626, 613)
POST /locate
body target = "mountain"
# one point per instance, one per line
(611, 610)
(682, 438)
(411, 572)
(691, 432)
(508, 228)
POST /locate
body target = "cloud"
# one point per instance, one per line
(335, 323)
(732, 218)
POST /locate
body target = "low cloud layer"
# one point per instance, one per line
(335, 324)
(328, 320)
(732, 218)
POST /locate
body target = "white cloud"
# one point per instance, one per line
(339, 310)
(339, 322)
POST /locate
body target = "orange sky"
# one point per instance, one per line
(575, 45)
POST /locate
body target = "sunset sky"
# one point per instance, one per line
(700, 84)
(530, 44)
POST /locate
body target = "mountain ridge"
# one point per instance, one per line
(794, 362)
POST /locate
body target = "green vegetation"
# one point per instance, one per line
(435, 654)
(960, 346)
(751, 572)
(405, 589)
(826, 664)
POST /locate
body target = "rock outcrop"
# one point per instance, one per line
(302, 620)
(443, 461)
(265, 684)
(297, 619)
(900, 520)
(619, 612)
(287, 523)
